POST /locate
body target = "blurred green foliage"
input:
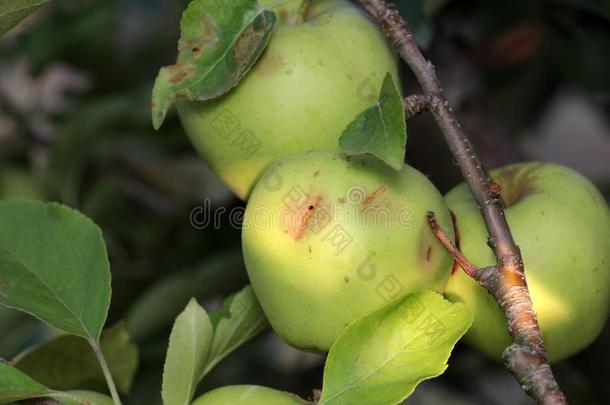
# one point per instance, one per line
(75, 126)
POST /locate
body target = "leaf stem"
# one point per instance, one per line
(111, 386)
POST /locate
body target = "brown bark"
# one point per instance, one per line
(526, 357)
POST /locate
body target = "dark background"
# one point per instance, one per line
(529, 80)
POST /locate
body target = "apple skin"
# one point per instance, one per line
(307, 86)
(319, 252)
(562, 225)
(247, 395)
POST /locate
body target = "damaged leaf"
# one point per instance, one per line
(219, 43)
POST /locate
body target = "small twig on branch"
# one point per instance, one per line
(464, 263)
(417, 104)
(526, 357)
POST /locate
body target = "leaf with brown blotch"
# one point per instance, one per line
(220, 42)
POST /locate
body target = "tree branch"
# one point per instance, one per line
(526, 357)
(417, 104)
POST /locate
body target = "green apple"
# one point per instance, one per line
(562, 225)
(247, 395)
(314, 77)
(328, 238)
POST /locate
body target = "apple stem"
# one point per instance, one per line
(304, 10)
(506, 282)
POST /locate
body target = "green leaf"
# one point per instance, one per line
(241, 319)
(189, 345)
(219, 43)
(81, 398)
(380, 130)
(215, 276)
(68, 362)
(380, 358)
(13, 11)
(53, 265)
(15, 385)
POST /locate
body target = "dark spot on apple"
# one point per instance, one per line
(456, 231)
(316, 174)
(346, 279)
(424, 248)
(309, 248)
(341, 200)
(296, 218)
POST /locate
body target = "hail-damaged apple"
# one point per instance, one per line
(328, 238)
(318, 72)
(562, 225)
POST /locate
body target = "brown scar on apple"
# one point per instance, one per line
(298, 217)
(425, 252)
(456, 231)
(374, 195)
